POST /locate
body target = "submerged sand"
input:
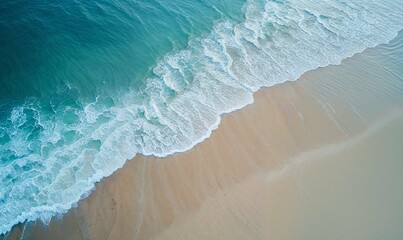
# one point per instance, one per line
(319, 158)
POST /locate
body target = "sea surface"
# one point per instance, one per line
(87, 85)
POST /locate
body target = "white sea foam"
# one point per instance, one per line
(181, 105)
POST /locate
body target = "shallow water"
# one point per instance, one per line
(97, 83)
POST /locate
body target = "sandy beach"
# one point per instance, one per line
(318, 158)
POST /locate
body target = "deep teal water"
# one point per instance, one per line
(96, 47)
(86, 85)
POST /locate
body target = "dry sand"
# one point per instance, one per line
(295, 164)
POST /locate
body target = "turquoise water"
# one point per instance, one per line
(87, 85)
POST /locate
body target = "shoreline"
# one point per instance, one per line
(237, 156)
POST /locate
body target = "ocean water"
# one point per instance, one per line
(87, 85)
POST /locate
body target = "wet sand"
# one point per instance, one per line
(350, 190)
(318, 158)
